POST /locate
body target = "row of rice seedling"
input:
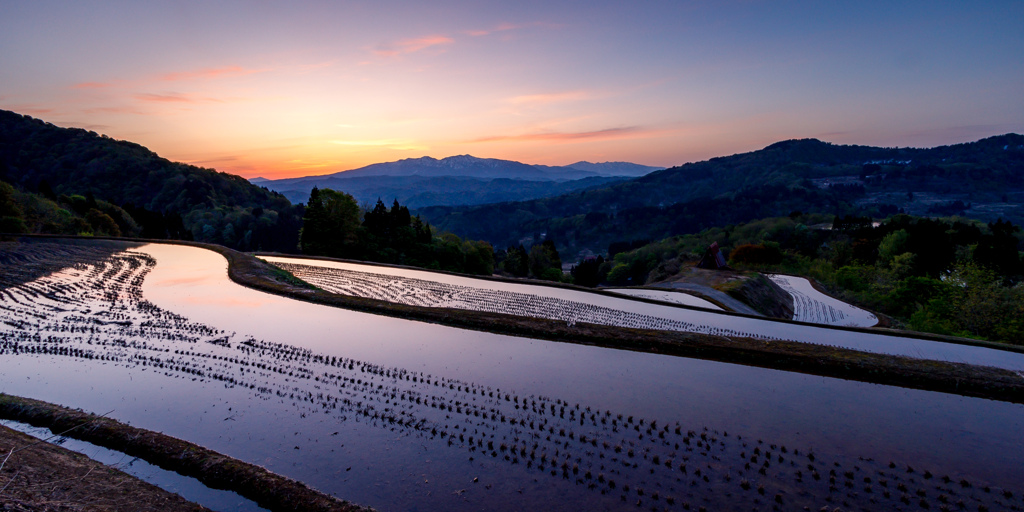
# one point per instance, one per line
(94, 312)
(425, 293)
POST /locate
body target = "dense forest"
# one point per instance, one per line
(947, 276)
(53, 163)
(335, 226)
(26, 212)
(983, 180)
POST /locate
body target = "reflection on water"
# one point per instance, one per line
(596, 308)
(399, 414)
(810, 305)
(670, 296)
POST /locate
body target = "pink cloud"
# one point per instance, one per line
(208, 73)
(214, 161)
(112, 110)
(500, 28)
(92, 85)
(606, 134)
(31, 110)
(545, 98)
(504, 27)
(89, 126)
(173, 98)
(407, 46)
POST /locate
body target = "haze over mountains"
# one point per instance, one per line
(572, 206)
(458, 180)
(983, 180)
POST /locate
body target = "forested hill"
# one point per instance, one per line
(983, 179)
(215, 207)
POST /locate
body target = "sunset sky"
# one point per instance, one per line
(279, 89)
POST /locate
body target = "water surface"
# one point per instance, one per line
(372, 408)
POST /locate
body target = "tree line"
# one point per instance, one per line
(948, 276)
(334, 225)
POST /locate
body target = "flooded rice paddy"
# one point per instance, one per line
(401, 415)
(670, 296)
(810, 305)
(431, 289)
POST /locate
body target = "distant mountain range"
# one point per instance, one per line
(582, 206)
(982, 180)
(458, 180)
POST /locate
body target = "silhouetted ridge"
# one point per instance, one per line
(216, 207)
(805, 175)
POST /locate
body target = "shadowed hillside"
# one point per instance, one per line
(216, 207)
(983, 179)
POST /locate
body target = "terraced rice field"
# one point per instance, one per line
(400, 415)
(810, 305)
(432, 289)
(438, 294)
(671, 297)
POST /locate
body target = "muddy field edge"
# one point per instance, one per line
(215, 470)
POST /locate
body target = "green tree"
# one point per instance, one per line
(545, 263)
(102, 224)
(517, 261)
(331, 225)
(588, 272)
(893, 244)
(479, 257)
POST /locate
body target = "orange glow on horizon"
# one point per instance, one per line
(283, 91)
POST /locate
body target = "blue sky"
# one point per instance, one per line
(278, 89)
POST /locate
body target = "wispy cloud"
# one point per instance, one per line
(176, 76)
(305, 164)
(92, 85)
(89, 126)
(505, 27)
(32, 110)
(174, 97)
(113, 110)
(221, 72)
(547, 98)
(214, 160)
(399, 144)
(407, 46)
(499, 28)
(606, 134)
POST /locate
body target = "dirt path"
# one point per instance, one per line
(43, 476)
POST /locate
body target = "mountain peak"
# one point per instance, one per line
(797, 143)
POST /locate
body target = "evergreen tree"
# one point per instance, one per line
(517, 261)
(545, 263)
(331, 225)
(588, 272)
